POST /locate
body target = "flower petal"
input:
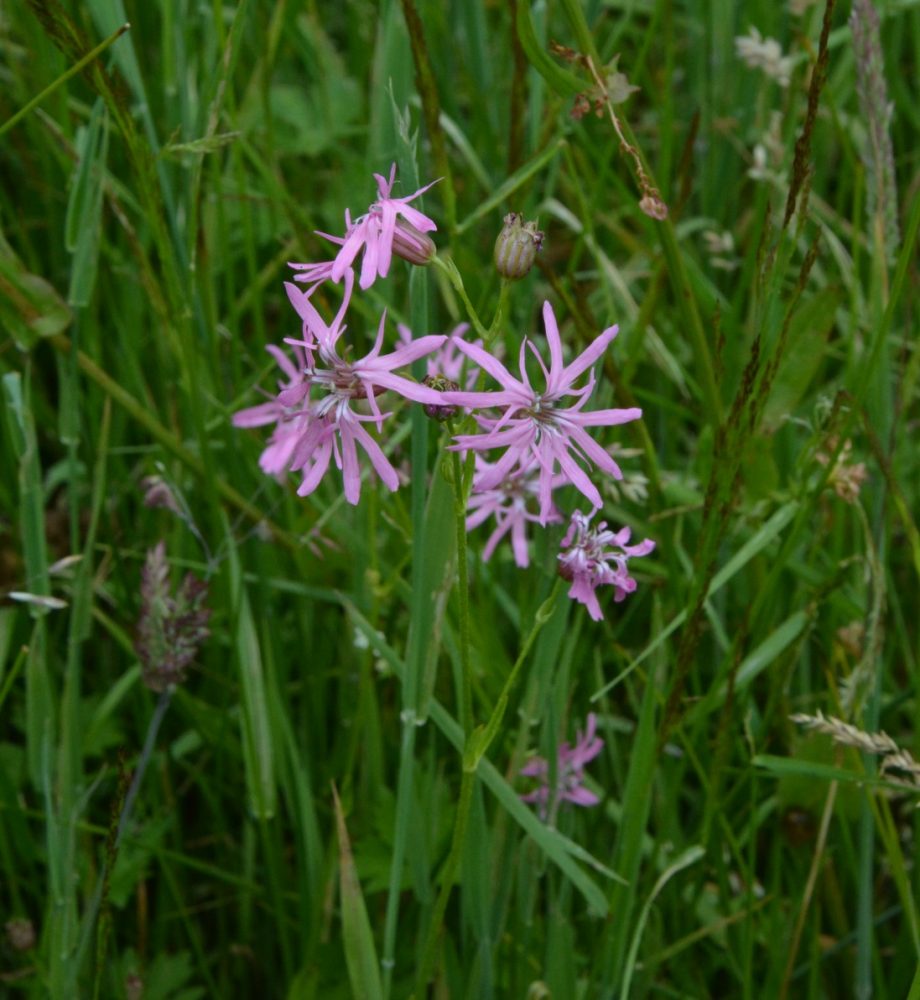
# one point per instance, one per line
(607, 418)
(492, 365)
(587, 358)
(554, 381)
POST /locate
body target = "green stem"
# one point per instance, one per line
(453, 275)
(168, 440)
(476, 745)
(463, 583)
(431, 108)
(499, 316)
(63, 78)
(484, 735)
(426, 969)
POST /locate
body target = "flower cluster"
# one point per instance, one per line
(536, 427)
(390, 225)
(327, 399)
(846, 477)
(321, 411)
(542, 431)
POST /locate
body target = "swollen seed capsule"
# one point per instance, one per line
(516, 247)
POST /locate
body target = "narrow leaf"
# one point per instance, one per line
(258, 753)
(360, 952)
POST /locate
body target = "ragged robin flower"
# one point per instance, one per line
(512, 504)
(570, 772)
(595, 557)
(536, 425)
(390, 225)
(315, 413)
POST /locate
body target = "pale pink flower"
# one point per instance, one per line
(391, 225)
(290, 421)
(309, 432)
(448, 362)
(597, 557)
(314, 274)
(510, 502)
(534, 425)
(570, 772)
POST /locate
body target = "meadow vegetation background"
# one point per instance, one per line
(149, 204)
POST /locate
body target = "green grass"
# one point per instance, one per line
(151, 196)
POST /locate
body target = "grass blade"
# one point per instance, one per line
(360, 953)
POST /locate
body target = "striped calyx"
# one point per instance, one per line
(516, 247)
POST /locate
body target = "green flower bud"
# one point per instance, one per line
(516, 247)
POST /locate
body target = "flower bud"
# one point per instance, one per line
(438, 411)
(412, 245)
(516, 247)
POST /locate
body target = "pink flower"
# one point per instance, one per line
(313, 274)
(598, 557)
(508, 502)
(289, 421)
(448, 361)
(311, 432)
(534, 425)
(390, 225)
(570, 772)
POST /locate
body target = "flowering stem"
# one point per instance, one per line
(653, 206)
(466, 684)
(476, 745)
(450, 269)
(448, 876)
(482, 738)
(493, 330)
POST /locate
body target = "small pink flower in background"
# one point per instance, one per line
(509, 502)
(570, 772)
(391, 225)
(597, 557)
(309, 433)
(448, 361)
(534, 426)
